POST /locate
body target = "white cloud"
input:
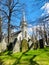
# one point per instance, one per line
(46, 8)
(30, 25)
(43, 14)
(30, 29)
(14, 30)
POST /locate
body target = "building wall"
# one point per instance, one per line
(3, 45)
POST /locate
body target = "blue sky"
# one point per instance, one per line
(33, 9)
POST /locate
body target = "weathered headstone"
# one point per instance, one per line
(16, 47)
(24, 45)
(30, 44)
(35, 45)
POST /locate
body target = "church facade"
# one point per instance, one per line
(22, 34)
(17, 37)
(24, 31)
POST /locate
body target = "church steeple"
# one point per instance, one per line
(23, 16)
(23, 25)
(23, 21)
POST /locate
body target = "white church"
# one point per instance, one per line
(20, 35)
(24, 30)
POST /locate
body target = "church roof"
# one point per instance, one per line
(16, 33)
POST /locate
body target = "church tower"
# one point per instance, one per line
(0, 29)
(23, 25)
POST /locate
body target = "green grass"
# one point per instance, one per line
(32, 57)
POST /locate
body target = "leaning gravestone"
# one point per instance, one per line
(24, 45)
(16, 47)
(30, 44)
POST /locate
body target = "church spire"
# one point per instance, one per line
(23, 21)
(23, 16)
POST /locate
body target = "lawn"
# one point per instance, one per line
(32, 57)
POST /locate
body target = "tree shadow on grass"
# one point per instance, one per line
(46, 49)
(30, 61)
(1, 62)
(33, 62)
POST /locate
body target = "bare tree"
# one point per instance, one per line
(9, 9)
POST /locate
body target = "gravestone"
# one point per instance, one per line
(30, 44)
(41, 43)
(24, 45)
(35, 45)
(16, 47)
